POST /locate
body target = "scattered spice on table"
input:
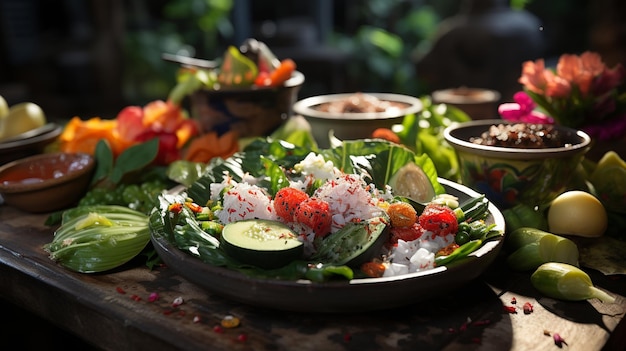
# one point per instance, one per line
(509, 309)
(558, 340)
(177, 301)
(153, 297)
(230, 321)
(528, 308)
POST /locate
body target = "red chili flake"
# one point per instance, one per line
(218, 329)
(120, 290)
(182, 313)
(177, 301)
(476, 340)
(463, 327)
(135, 297)
(242, 337)
(513, 300)
(558, 340)
(167, 312)
(509, 309)
(528, 308)
(347, 337)
(153, 297)
(451, 330)
(197, 319)
(481, 322)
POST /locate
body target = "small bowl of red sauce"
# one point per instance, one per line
(46, 182)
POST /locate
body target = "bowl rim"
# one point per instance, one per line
(18, 187)
(46, 134)
(484, 96)
(296, 80)
(514, 153)
(304, 107)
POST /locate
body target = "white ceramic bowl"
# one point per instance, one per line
(352, 125)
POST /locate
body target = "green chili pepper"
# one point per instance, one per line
(321, 273)
(459, 253)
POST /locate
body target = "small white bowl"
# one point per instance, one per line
(352, 125)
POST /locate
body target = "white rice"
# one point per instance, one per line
(348, 199)
(416, 255)
(245, 201)
(314, 165)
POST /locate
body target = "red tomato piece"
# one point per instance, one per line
(315, 214)
(439, 219)
(287, 200)
(410, 233)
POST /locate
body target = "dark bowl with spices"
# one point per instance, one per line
(515, 163)
(251, 111)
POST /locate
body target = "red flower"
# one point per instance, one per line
(158, 119)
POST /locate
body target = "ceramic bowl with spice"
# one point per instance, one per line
(46, 182)
(352, 116)
(515, 163)
(251, 111)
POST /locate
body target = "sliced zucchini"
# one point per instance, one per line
(262, 243)
(355, 243)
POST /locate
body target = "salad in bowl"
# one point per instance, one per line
(283, 217)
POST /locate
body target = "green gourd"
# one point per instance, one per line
(566, 282)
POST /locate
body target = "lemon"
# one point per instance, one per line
(578, 213)
(21, 118)
(410, 181)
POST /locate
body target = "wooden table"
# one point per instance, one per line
(114, 311)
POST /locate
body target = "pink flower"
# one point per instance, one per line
(534, 76)
(523, 110)
(608, 80)
(581, 92)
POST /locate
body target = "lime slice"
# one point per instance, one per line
(411, 182)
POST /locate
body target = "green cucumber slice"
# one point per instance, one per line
(262, 243)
